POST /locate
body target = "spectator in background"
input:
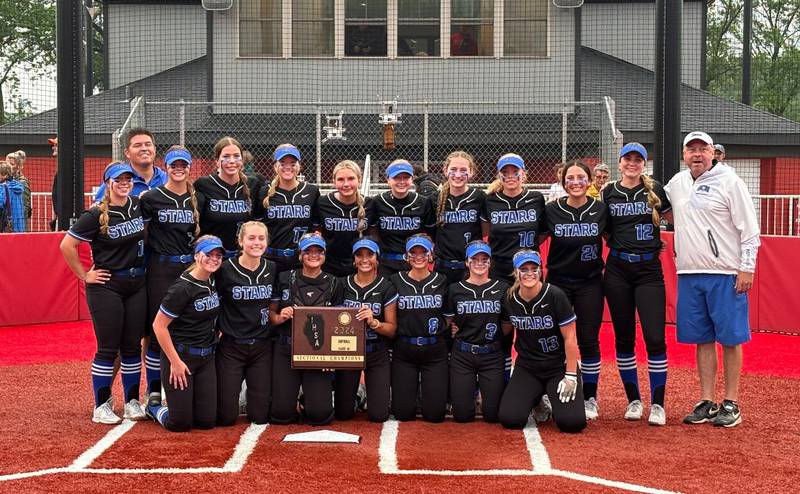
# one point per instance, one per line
(12, 212)
(53, 141)
(17, 162)
(719, 154)
(427, 184)
(601, 174)
(556, 189)
(463, 43)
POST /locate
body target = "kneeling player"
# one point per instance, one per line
(547, 349)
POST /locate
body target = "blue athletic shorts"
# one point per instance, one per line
(709, 310)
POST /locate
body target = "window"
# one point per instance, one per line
(365, 28)
(472, 28)
(260, 30)
(525, 28)
(312, 28)
(418, 28)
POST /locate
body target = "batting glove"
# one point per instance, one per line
(568, 387)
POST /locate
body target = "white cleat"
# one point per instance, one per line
(657, 415)
(104, 414)
(134, 411)
(591, 409)
(634, 411)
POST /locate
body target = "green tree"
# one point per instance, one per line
(28, 41)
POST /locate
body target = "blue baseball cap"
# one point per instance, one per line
(208, 244)
(286, 150)
(510, 159)
(633, 147)
(526, 257)
(477, 248)
(419, 241)
(116, 170)
(368, 244)
(307, 242)
(396, 169)
(178, 155)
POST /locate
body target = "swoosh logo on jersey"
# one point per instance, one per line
(545, 305)
(304, 195)
(415, 208)
(309, 294)
(135, 208)
(494, 291)
(434, 287)
(592, 214)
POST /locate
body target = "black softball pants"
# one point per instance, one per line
(377, 377)
(196, 405)
(526, 388)
(160, 276)
(586, 297)
(286, 382)
(250, 362)
(408, 363)
(488, 368)
(119, 316)
(631, 288)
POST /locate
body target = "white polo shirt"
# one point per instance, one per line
(716, 229)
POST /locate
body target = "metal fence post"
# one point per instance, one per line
(319, 144)
(564, 134)
(425, 138)
(182, 123)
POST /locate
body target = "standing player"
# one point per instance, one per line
(186, 332)
(420, 348)
(343, 218)
(225, 199)
(172, 223)
(575, 264)
(458, 209)
(547, 349)
(308, 286)
(140, 154)
(376, 298)
(246, 285)
(398, 214)
(634, 281)
(115, 289)
(290, 208)
(474, 306)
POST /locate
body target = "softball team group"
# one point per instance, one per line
(205, 277)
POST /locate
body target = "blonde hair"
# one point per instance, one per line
(192, 195)
(245, 226)
(230, 141)
(353, 167)
(652, 198)
(497, 184)
(273, 185)
(515, 286)
(444, 191)
(104, 202)
(197, 241)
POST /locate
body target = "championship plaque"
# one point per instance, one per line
(327, 338)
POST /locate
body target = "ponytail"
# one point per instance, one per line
(495, 186)
(103, 206)
(273, 187)
(195, 212)
(652, 198)
(443, 193)
(245, 188)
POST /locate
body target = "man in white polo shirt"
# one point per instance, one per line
(716, 242)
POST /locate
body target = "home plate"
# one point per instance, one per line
(323, 436)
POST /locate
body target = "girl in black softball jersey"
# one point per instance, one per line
(187, 334)
(308, 286)
(246, 285)
(420, 347)
(343, 218)
(634, 281)
(115, 289)
(458, 210)
(575, 264)
(474, 308)
(290, 208)
(376, 298)
(226, 199)
(398, 214)
(171, 221)
(547, 349)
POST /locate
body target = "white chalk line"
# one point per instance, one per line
(244, 448)
(540, 463)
